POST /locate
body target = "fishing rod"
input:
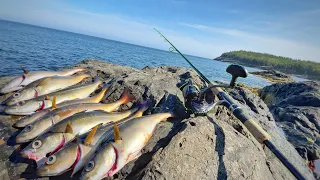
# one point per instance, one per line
(256, 130)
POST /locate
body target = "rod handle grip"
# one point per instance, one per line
(260, 134)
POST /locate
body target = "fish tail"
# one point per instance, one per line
(101, 94)
(83, 76)
(172, 113)
(165, 116)
(97, 80)
(143, 106)
(71, 71)
(171, 106)
(126, 97)
(80, 77)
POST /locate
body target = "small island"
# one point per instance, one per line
(307, 69)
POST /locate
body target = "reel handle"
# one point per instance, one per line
(236, 71)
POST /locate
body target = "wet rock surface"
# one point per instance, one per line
(273, 76)
(296, 107)
(216, 146)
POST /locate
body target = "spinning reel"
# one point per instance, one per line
(199, 102)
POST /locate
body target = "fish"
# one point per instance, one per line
(42, 102)
(45, 86)
(52, 118)
(67, 130)
(29, 77)
(126, 146)
(26, 120)
(76, 154)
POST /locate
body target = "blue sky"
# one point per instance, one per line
(203, 28)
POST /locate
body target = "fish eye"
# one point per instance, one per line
(20, 103)
(28, 128)
(16, 94)
(89, 166)
(36, 144)
(51, 159)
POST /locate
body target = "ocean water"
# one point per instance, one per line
(38, 48)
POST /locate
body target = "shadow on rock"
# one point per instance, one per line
(66, 175)
(166, 103)
(220, 147)
(30, 172)
(16, 157)
(12, 139)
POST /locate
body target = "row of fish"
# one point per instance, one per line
(67, 130)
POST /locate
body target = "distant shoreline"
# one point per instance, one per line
(240, 62)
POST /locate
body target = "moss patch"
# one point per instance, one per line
(254, 90)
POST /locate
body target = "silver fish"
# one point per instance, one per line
(29, 77)
(33, 105)
(68, 129)
(76, 154)
(45, 86)
(54, 117)
(26, 120)
(129, 139)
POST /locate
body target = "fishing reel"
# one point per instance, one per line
(200, 102)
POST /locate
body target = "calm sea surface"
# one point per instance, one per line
(38, 48)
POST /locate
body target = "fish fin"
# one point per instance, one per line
(69, 128)
(24, 70)
(44, 82)
(116, 132)
(126, 96)
(54, 102)
(90, 136)
(46, 97)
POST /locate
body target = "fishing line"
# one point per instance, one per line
(256, 130)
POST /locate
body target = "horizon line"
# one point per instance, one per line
(295, 59)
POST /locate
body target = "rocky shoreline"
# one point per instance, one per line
(214, 147)
(296, 108)
(274, 76)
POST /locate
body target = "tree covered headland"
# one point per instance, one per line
(284, 64)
